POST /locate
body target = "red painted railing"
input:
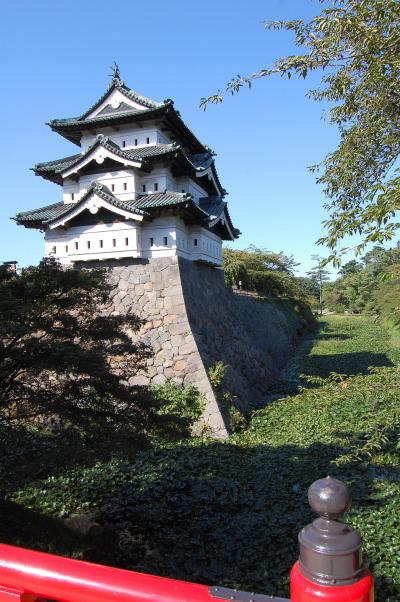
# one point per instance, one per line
(35, 575)
(329, 570)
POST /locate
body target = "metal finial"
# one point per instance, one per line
(115, 71)
(330, 550)
(329, 497)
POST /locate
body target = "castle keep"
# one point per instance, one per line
(142, 197)
(142, 186)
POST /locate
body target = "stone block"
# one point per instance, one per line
(177, 340)
(171, 291)
(169, 319)
(187, 348)
(193, 377)
(159, 379)
(180, 366)
(175, 301)
(148, 286)
(139, 380)
(180, 328)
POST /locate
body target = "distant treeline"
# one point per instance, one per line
(371, 285)
(268, 274)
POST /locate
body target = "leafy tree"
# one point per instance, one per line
(269, 274)
(308, 285)
(366, 286)
(356, 44)
(318, 274)
(63, 360)
(386, 297)
(351, 267)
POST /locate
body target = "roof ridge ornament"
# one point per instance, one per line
(115, 75)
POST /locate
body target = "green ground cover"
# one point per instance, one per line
(229, 512)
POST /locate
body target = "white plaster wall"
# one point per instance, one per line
(129, 134)
(72, 244)
(116, 178)
(160, 175)
(196, 190)
(134, 240)
(186, 184)
(70, 187)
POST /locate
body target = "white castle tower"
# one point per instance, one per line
(141, 186)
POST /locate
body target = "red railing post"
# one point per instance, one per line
(330, 567)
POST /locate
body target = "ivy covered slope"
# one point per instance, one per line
(229, 513)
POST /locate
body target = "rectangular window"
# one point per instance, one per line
(72, 196)
(112, 187)
(126, 242)
(101, 244)
(183, 190)
(136, 141)
(165, 240)
(125, 186)
(76, 246)
(54, 250)
(88, 244)
(123, 143)
(144, 187)
(151, 242)
(147, 140)
(66, 248)
(114, 242)
(195, 242)
(156, 186)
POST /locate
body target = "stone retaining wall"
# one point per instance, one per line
(192, 321)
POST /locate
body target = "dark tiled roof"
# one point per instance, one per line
(139, 205)
(72, 126)
(76, 123)
(41, 214)
(57, 164)
(209, 211)
(216, 208)
(119, 85)
(162, 199)
(52, 170)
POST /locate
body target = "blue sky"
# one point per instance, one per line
(56, 57)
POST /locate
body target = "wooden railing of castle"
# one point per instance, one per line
(330, 569)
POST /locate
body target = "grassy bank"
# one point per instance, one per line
(229, 513)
